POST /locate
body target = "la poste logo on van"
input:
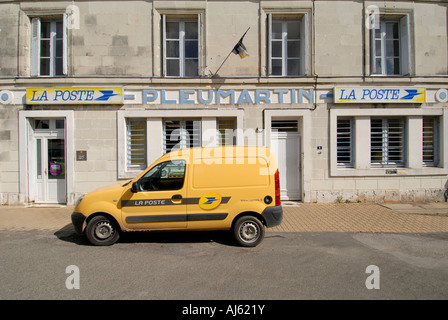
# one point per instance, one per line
(210, 201)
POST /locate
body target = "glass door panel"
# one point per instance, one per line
(56, 159)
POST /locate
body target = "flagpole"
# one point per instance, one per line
(223, 63)
(228, 55)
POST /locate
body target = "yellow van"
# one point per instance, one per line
(222, 188)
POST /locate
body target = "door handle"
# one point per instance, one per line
(176, 197)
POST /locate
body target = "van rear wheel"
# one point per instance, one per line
(248, 231)
(101, 231)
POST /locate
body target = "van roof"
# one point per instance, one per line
(222, 152)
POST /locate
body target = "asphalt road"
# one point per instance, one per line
(196, 266)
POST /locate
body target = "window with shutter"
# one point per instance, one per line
(136, 144)
(387, 142)
(344, 141)
(430, 141)
(287, 45)
(390, 47)
(181, 134)
(49, 47)
(181, 46)
(226, 132)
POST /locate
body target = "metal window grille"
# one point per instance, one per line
(430, 141)
(285, 125)
(344, 141)
(387, 142)
(181, 134)
(226, 132)
(136, 144)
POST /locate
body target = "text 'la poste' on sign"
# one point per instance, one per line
(379, 95)
(74, 96)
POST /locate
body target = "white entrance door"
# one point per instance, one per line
(48, 158)
(285, 142)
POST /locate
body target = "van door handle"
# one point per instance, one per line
(176, 199)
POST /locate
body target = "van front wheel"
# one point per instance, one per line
(248, 231)
(101, 231)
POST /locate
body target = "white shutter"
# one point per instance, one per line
(35, 46)
(269, 44)
(200, 73)
(304, 45)
(164, 45)
(372, 51)
(64, 45)
(405, 45)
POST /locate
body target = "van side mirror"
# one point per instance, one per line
(135, 187)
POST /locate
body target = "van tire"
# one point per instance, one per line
(102, 231)
(248, 231)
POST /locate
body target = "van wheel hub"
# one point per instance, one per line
(104, 230)
(249, 231)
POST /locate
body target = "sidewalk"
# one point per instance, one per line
(297, 217)
(364, 217)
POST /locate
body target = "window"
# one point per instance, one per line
(165, 176)
(226, 132)
(181, 47)
(387, 142)
(41, 124)
(48, 47)
(136, 144)
(286, 45)
(49, 124)
(344, 141)
(430, 141)
(284, 125)
(390, 47)
(374, 142)
(181, 134)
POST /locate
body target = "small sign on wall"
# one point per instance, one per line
(81, 155)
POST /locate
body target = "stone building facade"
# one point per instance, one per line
(351, 95)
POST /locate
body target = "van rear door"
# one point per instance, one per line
(224, 189)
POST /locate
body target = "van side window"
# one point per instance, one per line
(167, 175)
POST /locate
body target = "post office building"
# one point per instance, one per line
(351, 95)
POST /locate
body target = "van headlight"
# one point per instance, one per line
(79, 200)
